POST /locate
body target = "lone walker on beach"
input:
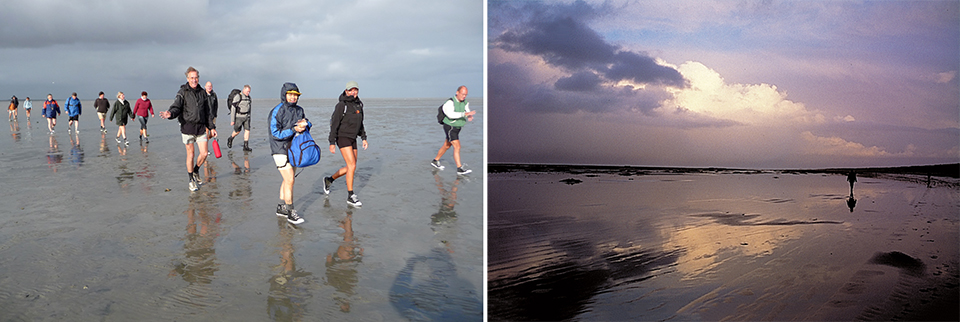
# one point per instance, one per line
(240, 118)
(27, 106)
(191, 109)
(285, 121)
(457, 111)
(346, 125)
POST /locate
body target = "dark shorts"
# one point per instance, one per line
(345, 142)
(242, 122)
(75, 118)
(453, 133)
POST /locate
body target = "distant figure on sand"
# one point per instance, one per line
(285, 121)
(852, 177)
(457, 112)
(141, 109)
(346, 125)
(191, 108)
(27, 106)
(14, 104)
(73, 108)
(240, 118)
(102, 105)
(121, 110)
(50, 111)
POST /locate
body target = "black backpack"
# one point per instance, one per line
(440, 114)
(230, 106)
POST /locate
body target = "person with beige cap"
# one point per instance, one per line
(346, 125)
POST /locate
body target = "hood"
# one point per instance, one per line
(288, 86)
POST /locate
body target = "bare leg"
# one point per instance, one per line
(189, 148)
(456, 152)
(350, 158)
(443, 149)
(286, 187)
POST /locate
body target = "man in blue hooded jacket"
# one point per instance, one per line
(285, 121)
(73, 111)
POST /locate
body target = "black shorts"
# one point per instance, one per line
(453, 133)
(75, 118)
(345, 142)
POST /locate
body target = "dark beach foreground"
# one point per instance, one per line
(616, 243)
(92, 230)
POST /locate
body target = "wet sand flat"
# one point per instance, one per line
(90, 230)
(719, 245)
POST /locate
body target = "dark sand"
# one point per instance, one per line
(92, 231)
(593, 244)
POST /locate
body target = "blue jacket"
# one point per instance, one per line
(72, 106)
(283, 118)
(51, 109)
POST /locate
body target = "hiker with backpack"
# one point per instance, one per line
(239, 105)
(286, 120)
(456, 112)
(346, 125)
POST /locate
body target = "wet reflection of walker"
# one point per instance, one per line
(76, 151)
(54, 156)
(243, 189)
(15, 130)
(199, 265)
(428, 287)
(851, 201)
(443, 222)
(289, 289)
(104, 148)
(342, 265)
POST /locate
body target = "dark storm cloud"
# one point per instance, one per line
(581, 81)
(559, 36)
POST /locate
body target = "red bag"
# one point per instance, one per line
(216, 148)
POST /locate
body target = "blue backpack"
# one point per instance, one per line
(303, 151)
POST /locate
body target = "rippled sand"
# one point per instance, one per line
(90, 230)
(602, 245)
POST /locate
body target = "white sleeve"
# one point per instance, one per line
(448, 109)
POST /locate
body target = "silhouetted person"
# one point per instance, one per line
(852, 177)
(851, 202)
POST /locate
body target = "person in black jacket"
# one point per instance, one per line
(191, 108)
(102, 105)
(346, 125)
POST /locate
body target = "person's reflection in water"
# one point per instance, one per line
(428, 287)
(443, 222)
(851, 202)
(852, 178)
(289, 288)
(199, 265)
(76, 151)
(54, 156)
(242, 188)
(342, 265)
(15, 130)
(104, 148)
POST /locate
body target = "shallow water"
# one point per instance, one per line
(719, 246)
(90, 230)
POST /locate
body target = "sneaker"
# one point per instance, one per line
(118, 139)
(125, 141)
(462, 171)
(436, 164)
(230, 142)
(282, 210)
(193, 186)
(327, 181)
(353, 200)
(196, 177)
(294, 217)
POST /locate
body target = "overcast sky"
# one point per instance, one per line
(760, 84)
(392, 48)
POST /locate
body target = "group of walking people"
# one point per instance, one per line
(197, 114)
